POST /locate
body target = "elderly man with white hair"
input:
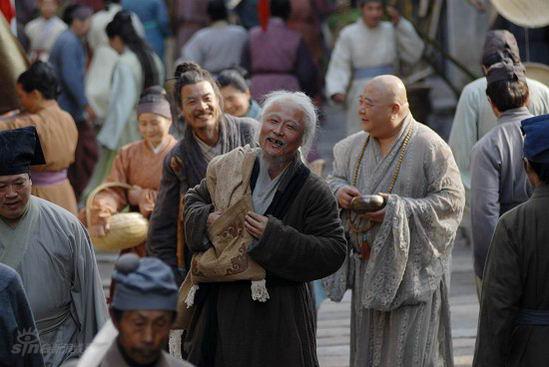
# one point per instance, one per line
(295, 236)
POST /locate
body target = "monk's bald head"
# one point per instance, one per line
(383, 105)
(389, 89)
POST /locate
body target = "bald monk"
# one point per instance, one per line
(400, 253)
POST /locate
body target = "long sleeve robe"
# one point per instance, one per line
(304, 244)
(52, 253)
(354, 50)
(19, 343)
(58, 137)
(400, 310)
(515, 278)
(498, 180)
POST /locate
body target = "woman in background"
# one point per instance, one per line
(137, 164)
(137, 68)
(237, 99)
(37, 90)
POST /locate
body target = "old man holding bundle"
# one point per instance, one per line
(295, 237)
(400, 311)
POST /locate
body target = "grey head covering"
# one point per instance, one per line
(143, 284)
(506, 70)
(499, 45)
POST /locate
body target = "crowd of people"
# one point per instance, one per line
(239, 235)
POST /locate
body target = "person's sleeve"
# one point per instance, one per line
(87, 294)
(485, 205)
(125, 88)
(162, 237)
(339, 71)
(111, 200)
(410, 45)
(463, 135)
(500, 302)
(339, 176)
(198, 206)
(425, 225)
(314, 252)
(306, 70)
(72, 71)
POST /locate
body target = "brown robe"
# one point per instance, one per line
(137, 165)
(58, 137)
(303, 241)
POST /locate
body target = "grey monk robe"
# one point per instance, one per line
(52, 253)
(184, 167)
(303, 241)
(400, 313)
(516, 278)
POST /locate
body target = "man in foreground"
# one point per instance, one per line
(51, 251)
(400, 312)
(142, 311)
(514, 311)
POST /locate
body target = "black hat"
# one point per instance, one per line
(499, 45)
(19, 149)
(505, 70)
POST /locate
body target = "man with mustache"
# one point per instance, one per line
(294, 233)
(51, 251)
(208, 133)
(401, 252)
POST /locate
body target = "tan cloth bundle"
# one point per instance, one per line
(227, 260)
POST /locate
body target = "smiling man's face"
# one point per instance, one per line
(282, 131)
(200, 105)
(15, 192)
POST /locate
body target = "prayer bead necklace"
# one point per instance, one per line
(353, 224)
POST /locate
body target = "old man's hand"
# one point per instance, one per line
(255, 224)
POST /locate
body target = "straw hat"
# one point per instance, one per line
(525, 13)
(536, 71)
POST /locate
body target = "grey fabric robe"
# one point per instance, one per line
(53, 254)
(515, 277)
(19, 343)
(498, 179)
(305, 244)
(162, 241)
(400, 313)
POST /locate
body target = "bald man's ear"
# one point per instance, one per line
(395, 109)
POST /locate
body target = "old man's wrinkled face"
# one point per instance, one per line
(15, 192)
(143, 334)
(282, 131)
(200, 105)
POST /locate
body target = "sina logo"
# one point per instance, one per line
(27, 342)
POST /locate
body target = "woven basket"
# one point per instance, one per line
(126, 230)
